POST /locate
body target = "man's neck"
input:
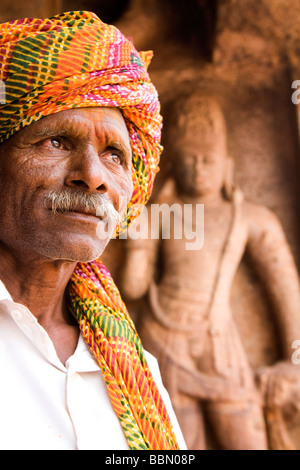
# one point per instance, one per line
(38, 284)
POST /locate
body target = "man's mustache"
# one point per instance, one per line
(74, 200)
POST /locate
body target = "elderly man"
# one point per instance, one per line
(80, 130)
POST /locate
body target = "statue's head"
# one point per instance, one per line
(196, 142)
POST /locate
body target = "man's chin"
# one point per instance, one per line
(76, 252)
(83, 256)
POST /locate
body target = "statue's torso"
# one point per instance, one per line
(189, 277)
(190, 299)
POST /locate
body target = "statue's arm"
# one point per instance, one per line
(274, 262)
(140, 261)
(142, 248)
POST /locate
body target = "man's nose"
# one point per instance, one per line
(88, 172)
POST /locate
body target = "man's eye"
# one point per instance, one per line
(116, 159)
(114, 156)
(56, 143)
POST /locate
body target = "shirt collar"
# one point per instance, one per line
(81, 361)
(4, 294)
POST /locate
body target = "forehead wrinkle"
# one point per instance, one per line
(60, 126)
(51, 132)
(113, 136)
(110, 133)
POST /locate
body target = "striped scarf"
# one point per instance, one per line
(75, 60)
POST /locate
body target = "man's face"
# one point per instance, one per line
(83, 151)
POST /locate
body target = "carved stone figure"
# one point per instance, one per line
(188, 324)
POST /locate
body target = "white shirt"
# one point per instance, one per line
(45, 405)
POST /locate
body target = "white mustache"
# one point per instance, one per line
(74, 200)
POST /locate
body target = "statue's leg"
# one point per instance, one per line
(238, 426)
(190, 417)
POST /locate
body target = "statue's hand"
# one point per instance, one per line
(280, 386)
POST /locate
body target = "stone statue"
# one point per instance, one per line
(188, 324)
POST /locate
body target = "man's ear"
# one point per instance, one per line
(229, 177)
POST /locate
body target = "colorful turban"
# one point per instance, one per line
(75, 60)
